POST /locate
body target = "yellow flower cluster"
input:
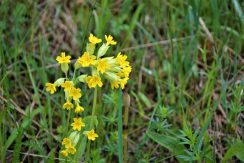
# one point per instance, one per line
(116, 69)
(69, 147)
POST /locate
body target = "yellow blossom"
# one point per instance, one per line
(125, 72)
(75, 93)
(123, 82)
(51, 88)
(110, 40)
(102, 65)
(94, 40)
(71, 149)
(77, 124)
(93, 81)
(79, 109)
(114, 84)
(66, 142)
(63, 59)
(68, 105)
(91, 135)
(86, 60)
(121, 60)
(67, 85)
(64, 153)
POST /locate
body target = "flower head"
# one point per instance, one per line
(63, 59)
(71, 149)
(91, 135)
(102, 65)
(114, 84)
(67, 85)
(79, 109)
(66, 142)
(68, 105)
(93, 81)
(77, 124)
(51, 88)
(64, 153)
(94, 40)
(110, 40)
(75, 93)
(86, 60)
(123, 82)
(125, 72)
(121, 60)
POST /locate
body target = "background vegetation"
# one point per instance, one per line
(186, 87)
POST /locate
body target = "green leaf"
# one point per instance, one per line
(11, 138)
(169, 142)
(145, 100)
(90, 120)
(17, 145)
(238, 10)
(235, 150)
(81, 149)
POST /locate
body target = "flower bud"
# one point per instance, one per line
(126, 99)
(74, 136)
(90, 48)
(102, 50)
(111, 76)
(82, 78)
(59, 81)
(77, 65)
(64, 67)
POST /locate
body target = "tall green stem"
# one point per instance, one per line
(120, 128)
(92, 123)
(94, 103)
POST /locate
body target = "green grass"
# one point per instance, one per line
(186, 87)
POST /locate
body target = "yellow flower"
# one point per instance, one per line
(75, 93)
(123, 82)
(125, 72)
(63, 59)
(114, 84)
(86, 60)
(51, 88)
(71, 149)
(102, 65)
(110, 40)
(66, 142)
(79, 109)
(93, 81)
(121, 60)
(64, 153)
(67, 85)
(94, 40)
(77, 124)
(68, 105)
(91, 135)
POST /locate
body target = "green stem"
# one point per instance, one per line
(68, 119)
(74, 75)
(87, 158)
(120, 128)
(94, 106)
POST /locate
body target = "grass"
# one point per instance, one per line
(186, 87)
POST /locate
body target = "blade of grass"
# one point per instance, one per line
(120, 127)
